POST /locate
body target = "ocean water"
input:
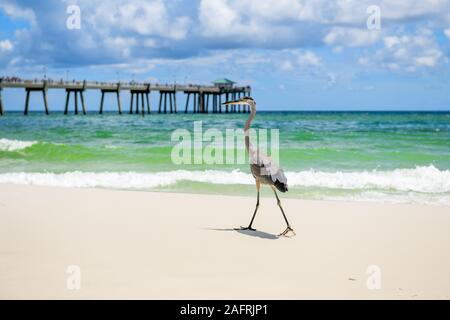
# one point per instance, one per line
(369, 156)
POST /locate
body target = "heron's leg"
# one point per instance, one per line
(256, 209)
(258, 184)
(284, 216)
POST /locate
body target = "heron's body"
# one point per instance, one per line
(263, 168)
(268, 172)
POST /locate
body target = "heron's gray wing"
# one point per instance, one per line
(269, 169)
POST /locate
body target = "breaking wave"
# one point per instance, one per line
(14, 145)
(423, 179)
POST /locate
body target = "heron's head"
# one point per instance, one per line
(245, 101)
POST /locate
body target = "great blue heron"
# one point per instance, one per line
(263, 168)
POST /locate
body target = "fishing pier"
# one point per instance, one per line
(199, 98)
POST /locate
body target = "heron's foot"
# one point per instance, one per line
(246, 228)
(289, 232)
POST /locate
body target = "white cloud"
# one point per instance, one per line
(145, 18)
(253, 59)
(112, 31)
(364, 61)
(338, 49)
(119, 32)
(136, 66)
(308, 58)
(351, 37)
(447, 33)
(390, 42)
(247, 18)
(121, 44)
(319, 11)
(291, 60)
(6, 45)
(218, 18)
(15, 11)
(407, 52)
(429, 59)
(286, 65)
(255, 19)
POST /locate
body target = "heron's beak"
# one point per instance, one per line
(240, 101)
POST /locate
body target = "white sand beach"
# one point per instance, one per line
(131, 244)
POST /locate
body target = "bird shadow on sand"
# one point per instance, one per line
(250, 233)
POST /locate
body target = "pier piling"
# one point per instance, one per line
(101, 102)
(66, 106)
(137, 103)
(82, 102)
(1, 102)
(75, 94)
(44, 95)
(119, 105)
(163, 96)
(175, 100)
(148, 103)
(187, 102)
(165, 102)
(131, 103)
(76, 102)
(143, 95)
(195, 102)
(200, 102)
(142, 104)
(226, 99)
(27, 99)
(116, 89)
(160, 102)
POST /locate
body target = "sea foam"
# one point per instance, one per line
(14, 145)
(423, 179)
(125, 180)
(427, 179)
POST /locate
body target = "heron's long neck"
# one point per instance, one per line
(248, 123)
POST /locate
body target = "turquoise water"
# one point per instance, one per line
(379, 156)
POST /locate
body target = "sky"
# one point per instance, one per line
(295, 54)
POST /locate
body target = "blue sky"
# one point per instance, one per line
(296, 54)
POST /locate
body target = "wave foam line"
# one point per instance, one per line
(126, 180)
(14, 145)
(425, 179)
